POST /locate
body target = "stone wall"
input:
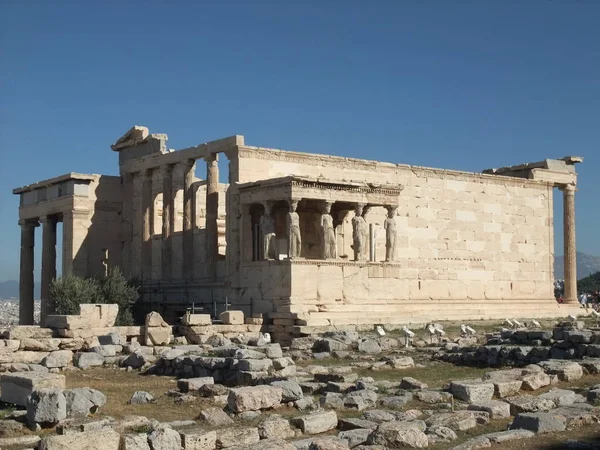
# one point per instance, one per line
(461, 236)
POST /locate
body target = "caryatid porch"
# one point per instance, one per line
(297, 217)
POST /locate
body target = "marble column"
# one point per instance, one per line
(137, 224)
(126, 223)
(570, 260)
(156, 230)
(177, 190)
(189, 214)
(212, 214)
(48, 265)
(167, 222)
(147, 225)
(26, 282)
(76, 225)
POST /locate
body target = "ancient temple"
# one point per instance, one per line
(324, 239)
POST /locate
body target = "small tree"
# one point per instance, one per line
(116, 289)
(70, 292)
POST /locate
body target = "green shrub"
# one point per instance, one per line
(69, 292)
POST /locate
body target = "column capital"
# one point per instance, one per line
(29, 223)
(48, 218)
(211, 157)
(568, 189)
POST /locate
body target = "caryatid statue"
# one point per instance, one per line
(390, 233)
(359, 233)
(328, 241)
(267, 226)
(293, 225)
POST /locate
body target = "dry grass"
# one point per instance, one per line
(118, 386)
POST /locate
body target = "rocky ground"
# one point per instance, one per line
(336, 391)
(9, 312)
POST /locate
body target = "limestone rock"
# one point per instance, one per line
(535, 380)
(137, 441)
(275, 427)
(239, 436)
(328, 444)
(566, 370)
(198, 439)
(401, 362)
(88, 359)
(472, 391)
(164, 438)
(46, 406)
(560, 397)
(457, 421)
(360, 400)
(83, 401)
(193, 384)
(215, 417)
(232, 317)
(433, 397)
(16, 387)
(266, 444)
(439, 433)
(369, 346)
(412, 384)
(254, 398)
(496, 409)
(140, 398)
(318, 422)
(529, 403)
(291, 390)
(58, 359)
(105, 439)
(399, 435)
(540, 422)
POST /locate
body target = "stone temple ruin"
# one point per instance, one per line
(306, 240)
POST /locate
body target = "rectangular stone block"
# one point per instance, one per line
(15, 387)
(196, 319)
(232, 317)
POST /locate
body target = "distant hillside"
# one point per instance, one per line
(10, 289)
(586, 265)
(589, 284)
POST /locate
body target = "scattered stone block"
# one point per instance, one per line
(457, 421)
(566, 370)
(46, 406)
(472, 391)
(58, 359)
(105, 439)
(164, 438)
(509, 435)
(141, 398)
(535, 380)
(135, 442)
(539, 422)
(560, 397)
(412, 384)
(238, 436)
(316, 423)
(400, 435)
(16, 387)
(254, 398)
(369, 346)
(495, 408)
(198, 439)
(193, 384)
(215, 417)
(88, 359)
(433, 397)
(438, 433)
(196, 319)
(232, 317)
(291, 390)
(83, 401)
(529, 403)
(275, 427)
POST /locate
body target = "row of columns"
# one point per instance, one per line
(26, 275)
(178, 216)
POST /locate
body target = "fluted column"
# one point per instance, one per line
(26, 272)
(137, 224)
(212, 214)
(570, 261)
(189, 214)
(147, 225)
(48, 265)
(167, 222)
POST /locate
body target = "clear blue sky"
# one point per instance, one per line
(463, 84)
